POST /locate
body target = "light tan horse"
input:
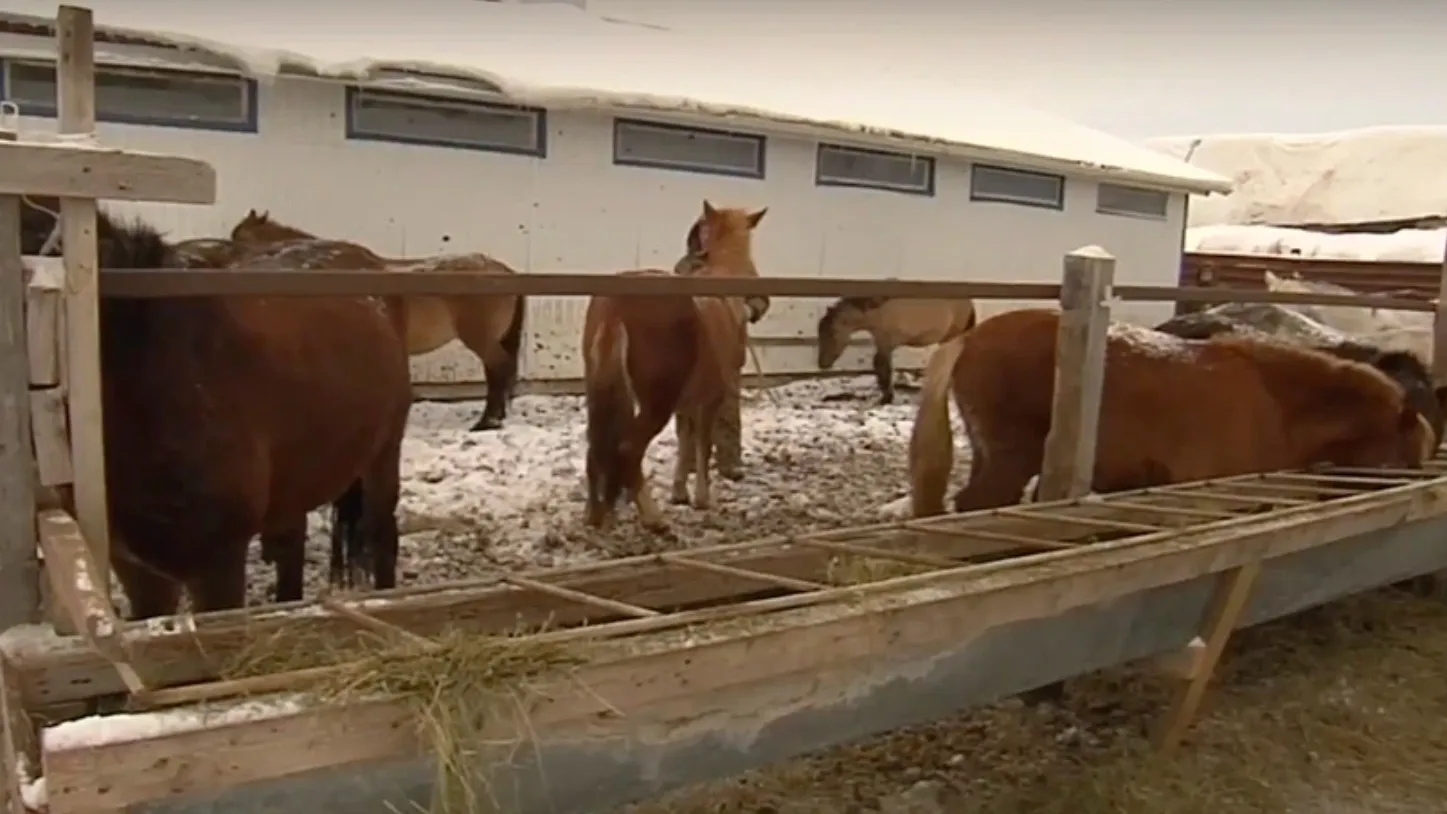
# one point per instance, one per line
(891, 322)
(491, 326)
(649, 359)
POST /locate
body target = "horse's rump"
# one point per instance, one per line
(1173, 410)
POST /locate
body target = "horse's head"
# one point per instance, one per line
(839, 322)
(724, 238)
(260, 229)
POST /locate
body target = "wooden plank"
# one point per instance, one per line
(1014, 540)
(1241, 500)
(1233, 589)
(741, 573)
(1065, 518)
(580, 597)
(19, 567)
(1079, 374)
(66, 170)
(109, 775)
(51, 437)
(44, 320)
(73, 574)
(74, 33)
(1200, 514)
(853, 549)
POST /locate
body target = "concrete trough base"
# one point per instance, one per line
(601, 770)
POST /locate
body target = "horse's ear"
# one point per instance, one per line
(708, 210)
(251, 215)
(755, 217)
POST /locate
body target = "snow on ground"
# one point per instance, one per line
(1407, 245)
(513, 499)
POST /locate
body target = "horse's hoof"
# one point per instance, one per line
(702, 505)
(678, 498)
(885, 401)
(486, 423)
(731, 474)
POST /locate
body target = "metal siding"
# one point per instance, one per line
(576, 211)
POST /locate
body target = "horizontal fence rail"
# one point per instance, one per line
(160, 283)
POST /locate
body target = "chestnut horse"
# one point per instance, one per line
(1172, 410)
(490, 326)
(649, 358)
(230, 417)
(891, 322)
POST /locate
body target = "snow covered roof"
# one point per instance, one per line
(1349, 177)
(559, 56)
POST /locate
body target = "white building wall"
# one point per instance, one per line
(575, 211)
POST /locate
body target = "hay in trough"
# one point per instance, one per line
(846, 570)
(456, 686)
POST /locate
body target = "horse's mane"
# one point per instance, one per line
(120, 244)
(843, 304)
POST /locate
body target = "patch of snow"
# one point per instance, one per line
(1351, 176)
(1407, 245)
(32, 788)
(896, 509)
(1027, 495)
(1093, 251)
(592, 63)
(1149, 342)
(96, 730)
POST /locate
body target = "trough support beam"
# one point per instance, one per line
(1069, 462)
(1233, 589)
(75, 42)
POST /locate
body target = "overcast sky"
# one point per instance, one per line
(1137, 68)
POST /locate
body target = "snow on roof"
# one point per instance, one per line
(1347, 177)
(559, 56)
(1407, 245)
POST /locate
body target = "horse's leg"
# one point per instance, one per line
(286, 551)
(148, 592)
(488, 330)
(223, 585)
(998, 479)
(684, 429)
(707, 420)
(728, 435)
(884, 371)
(381, 490)
(649, 423)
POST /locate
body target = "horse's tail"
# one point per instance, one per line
(349, 543)
(609, 395)
(512, 339)
(931, 442)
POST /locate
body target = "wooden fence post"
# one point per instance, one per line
(19, 566)
(74, 33)
(1436, 584)
(1079, 379)
(1079, 374)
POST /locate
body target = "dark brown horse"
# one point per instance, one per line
(647, 359)
(226, 418)
(489, 326)
(1172, 410)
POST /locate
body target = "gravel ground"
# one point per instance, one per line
(817, 454)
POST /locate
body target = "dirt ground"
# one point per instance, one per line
(1336, 711)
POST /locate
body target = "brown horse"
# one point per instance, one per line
(230, 417)
(1273, 321)
(647, 359)
(489, 326)
(891, 322)
(1172, 410)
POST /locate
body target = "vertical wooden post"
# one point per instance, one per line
(1079, 380)
(1436, 584)
(1079, 374)
(75, 35)
(19, 566)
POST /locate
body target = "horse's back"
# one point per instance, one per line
(921, 322)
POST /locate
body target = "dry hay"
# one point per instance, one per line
(1335, 710)
(457, 686)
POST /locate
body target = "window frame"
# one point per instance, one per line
(823, 180)
(760, 142)
(1017, 200)
(1129, 189)
(539, 116)
(247, 122)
